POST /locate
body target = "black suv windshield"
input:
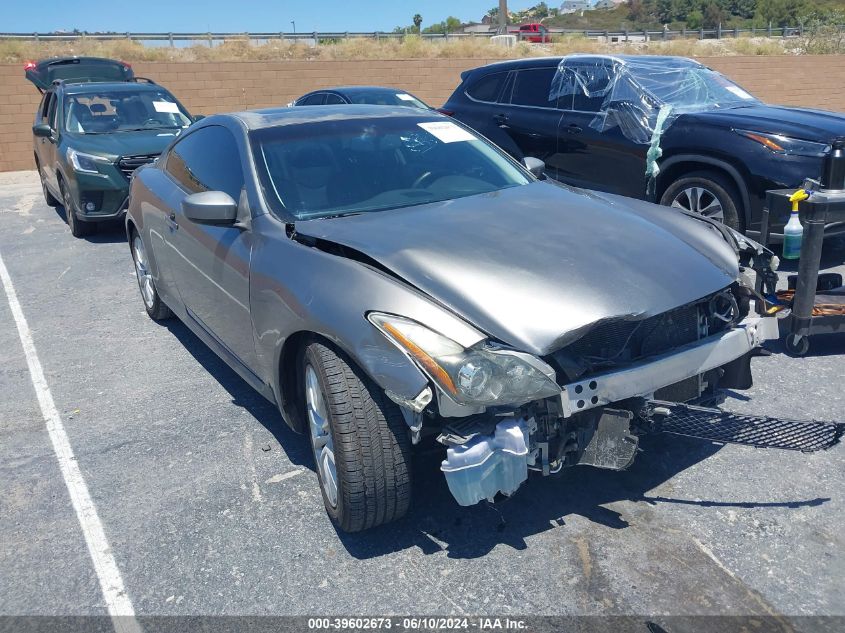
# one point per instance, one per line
(122, 110)
(340, 167)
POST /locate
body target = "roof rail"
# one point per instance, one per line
(144, 79)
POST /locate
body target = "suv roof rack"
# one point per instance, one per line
(144, 79)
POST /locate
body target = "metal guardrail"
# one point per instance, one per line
(322, 36)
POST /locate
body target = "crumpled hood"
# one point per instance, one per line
(143, 142)
(535, 265)
(803, 123)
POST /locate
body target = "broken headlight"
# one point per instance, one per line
(482, 375)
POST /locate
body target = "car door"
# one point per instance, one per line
(210, 263)
(594, 152)
(531, 118)
(45, 147)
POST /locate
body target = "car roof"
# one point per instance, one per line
(113, 86)
(343, 89)
(544, 62)
(276, 117)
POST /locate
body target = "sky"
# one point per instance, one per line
(236, 16)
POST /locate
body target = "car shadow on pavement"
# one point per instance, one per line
(110, 232)
(294, 445)
(436, 523)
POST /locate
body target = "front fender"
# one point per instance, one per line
(296, 289)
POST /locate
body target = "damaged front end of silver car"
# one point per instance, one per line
(502, 413)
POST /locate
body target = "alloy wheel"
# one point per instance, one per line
(700, 200)
(142, 272)
(321, 437)
(70, 216)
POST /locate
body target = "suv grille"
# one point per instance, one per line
(128, 164)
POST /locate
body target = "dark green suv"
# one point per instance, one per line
(95, 125)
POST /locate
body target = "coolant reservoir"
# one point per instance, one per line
(488, 464)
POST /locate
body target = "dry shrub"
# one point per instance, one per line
(410, 47)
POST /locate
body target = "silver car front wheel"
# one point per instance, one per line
(321, 436)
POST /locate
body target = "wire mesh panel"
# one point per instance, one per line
(736, 428)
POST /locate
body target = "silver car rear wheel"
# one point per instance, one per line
(155, 307)
(145, 278)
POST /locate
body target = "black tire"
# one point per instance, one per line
(155, 307)
(77, 227)
(372, 447)
(797, 345)
(717, 186)
(49, 198)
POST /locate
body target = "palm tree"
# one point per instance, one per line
(417, 21)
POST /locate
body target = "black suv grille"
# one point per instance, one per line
(128, 164)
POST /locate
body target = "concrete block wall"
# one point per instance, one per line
(206, 88)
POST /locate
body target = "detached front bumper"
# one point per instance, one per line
(646, 377)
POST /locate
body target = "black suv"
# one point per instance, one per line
(95, 125)
(665, 129)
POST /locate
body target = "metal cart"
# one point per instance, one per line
(815, 300)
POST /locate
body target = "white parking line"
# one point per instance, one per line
(118, 603)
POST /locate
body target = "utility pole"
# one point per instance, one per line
(503, 17)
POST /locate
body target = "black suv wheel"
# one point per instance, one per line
(708, 193)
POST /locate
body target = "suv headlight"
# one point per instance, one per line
(785, 145)
(85, 163)
(482, 375)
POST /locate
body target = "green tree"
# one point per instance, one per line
(452, 24)
(713, 15)
(695, 19)
(417, 21)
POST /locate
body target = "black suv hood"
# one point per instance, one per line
(810, 125)
(536, 265)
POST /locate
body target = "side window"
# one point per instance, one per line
(44, 107)
(591, 86)
(315, 99)
(53, 112)
(333, 99)
(531, 87)
(488, 87)
(207, 160)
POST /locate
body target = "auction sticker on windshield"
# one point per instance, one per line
(446, 131)
(404, 97)
(166, 106)
(739, 92)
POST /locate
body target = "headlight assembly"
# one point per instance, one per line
(85, 163)
(785, 145)
(483, 375)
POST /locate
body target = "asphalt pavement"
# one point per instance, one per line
(210, 504)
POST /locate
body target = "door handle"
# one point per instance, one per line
(501, 120)
(572, 128)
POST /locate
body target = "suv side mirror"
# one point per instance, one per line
(210, 207)
(535, 166)
(43, 130)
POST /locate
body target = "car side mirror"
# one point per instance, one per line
(43, 130)
(210, 207)
(535, 166)
(198, 117)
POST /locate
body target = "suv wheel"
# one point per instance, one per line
(155, 307)
(360, 441)
(77, 227)
(49, 198)
(708, 193)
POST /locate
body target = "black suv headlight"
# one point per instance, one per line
(780, 144)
